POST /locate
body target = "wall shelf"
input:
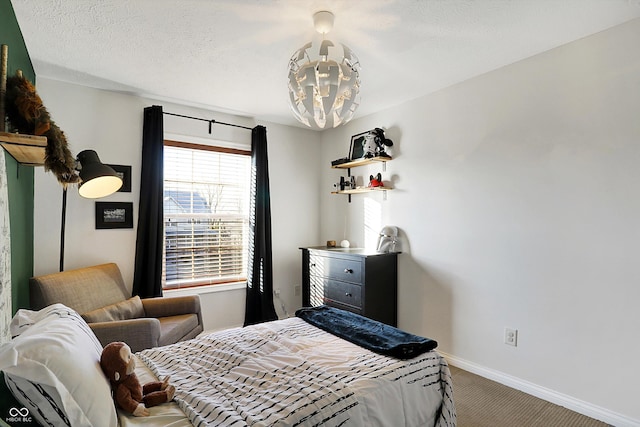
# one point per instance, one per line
(362, 162)
(361, 190)
(26, 149)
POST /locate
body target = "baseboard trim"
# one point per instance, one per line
(544, 393)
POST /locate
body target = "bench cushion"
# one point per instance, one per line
(175, 328)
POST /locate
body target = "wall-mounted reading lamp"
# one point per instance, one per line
(97, 180)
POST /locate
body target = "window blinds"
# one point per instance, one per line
(206, 203)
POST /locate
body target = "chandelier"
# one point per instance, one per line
(324, 80)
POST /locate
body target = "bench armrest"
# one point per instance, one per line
(172, 306)
(138, 333)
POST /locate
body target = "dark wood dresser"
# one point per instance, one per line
(357, 280)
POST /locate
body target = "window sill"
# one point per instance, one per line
(201, 290)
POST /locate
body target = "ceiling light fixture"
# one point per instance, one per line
(324, 81)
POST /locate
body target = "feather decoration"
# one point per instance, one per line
(27, 114)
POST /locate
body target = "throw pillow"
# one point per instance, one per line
(123, 310)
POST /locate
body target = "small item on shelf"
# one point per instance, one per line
(376, 181)
(345, 243)
(343, 183)
(339, 161)
(388, 239)
(369, 146)
(381, 141)
(346, 183)
(331, 243)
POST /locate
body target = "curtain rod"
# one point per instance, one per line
(211, 122)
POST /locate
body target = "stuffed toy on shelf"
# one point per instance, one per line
(27, 114)
(381, 142)
(376, 181)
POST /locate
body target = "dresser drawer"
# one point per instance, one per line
(345, 293)
(353, 279)
(344, 269)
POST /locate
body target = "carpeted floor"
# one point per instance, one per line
(484, 403)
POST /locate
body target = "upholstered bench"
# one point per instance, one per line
(98, 294)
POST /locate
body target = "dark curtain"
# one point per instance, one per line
(260, 275)
(147, 276)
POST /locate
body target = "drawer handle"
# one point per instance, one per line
(348, 271)
(348, 294)
(313, 264)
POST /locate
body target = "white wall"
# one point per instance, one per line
(111, 123)
(517, 196)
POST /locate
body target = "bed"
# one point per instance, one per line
(282, 373)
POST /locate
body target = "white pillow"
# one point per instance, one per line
(53, 368)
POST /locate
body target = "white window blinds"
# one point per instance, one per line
(206, 204)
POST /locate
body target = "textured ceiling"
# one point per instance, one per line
(232, 55)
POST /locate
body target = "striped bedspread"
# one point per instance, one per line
(289, 373)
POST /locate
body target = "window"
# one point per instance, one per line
(206, 221)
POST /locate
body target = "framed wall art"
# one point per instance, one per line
(114, 215)
(358, 142)
(124, 172)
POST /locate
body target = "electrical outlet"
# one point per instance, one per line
(511, 336)
(297, 290)
(276, 292)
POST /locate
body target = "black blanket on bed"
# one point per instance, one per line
(367, 333)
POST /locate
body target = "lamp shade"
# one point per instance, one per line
(98, 179)
(324, 84)
(324, 80)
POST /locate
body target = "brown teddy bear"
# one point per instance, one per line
(118, 364)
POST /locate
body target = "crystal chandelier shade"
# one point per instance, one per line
(324, 84)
